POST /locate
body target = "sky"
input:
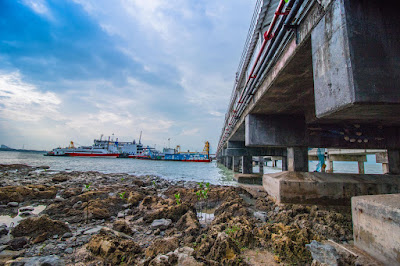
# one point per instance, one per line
(76, 69)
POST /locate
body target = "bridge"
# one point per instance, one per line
(316, 74)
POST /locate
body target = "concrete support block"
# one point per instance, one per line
(326, 188)
(274, 131)
(247, 164)
(235, 163)
(394, 161)
(297, 159)
(376, 226)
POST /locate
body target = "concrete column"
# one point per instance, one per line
(247, 164)
(261, 164)
(361, 169)
(297, 159)
(394, 161)
(235, 163)
(329, 165)
(229, 162)
(284, 163)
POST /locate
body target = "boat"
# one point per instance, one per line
(170, 154)
(100, 148)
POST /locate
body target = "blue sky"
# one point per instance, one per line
(75, 69)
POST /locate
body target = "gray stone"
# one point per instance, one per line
(51, 260)
(26, 209)
(13, 204)
(93, 230)
(323, 253)
(67, 235)
(69, 250)
(164, 223)
(261, 215)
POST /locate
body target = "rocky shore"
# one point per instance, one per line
(91, 218)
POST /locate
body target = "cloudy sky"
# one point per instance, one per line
(76, 69)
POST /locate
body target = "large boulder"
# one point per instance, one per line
(25, 193)
(40, 228)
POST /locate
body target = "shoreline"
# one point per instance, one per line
(92, 217)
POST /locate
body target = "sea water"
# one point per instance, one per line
(171, 170)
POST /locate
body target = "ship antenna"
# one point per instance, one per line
(140, 138)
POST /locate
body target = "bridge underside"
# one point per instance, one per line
(336, 84)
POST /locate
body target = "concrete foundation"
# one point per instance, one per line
(325, 188)
(249, 178)
(376, 226)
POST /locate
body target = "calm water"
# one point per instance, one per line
(208, 172)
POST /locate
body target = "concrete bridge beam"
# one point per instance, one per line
(255, 151)
(274, 130)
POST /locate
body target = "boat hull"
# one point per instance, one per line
(77, 154)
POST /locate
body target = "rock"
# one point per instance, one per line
(51, 260)
(122, 226)
(93, 230)
(25, 193)
(188, 224)
(69, 250)
(160, 260)
(261, 215)
(162, 246)
(40, 227)
(174, 212)
(3, 230)
(161, 223)
(17, 243)
(6, 255)
(26, 209)
(13, 204)
(67, 235)
(25, 214)
(323, 253)
(112, 246)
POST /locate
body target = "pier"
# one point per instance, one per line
(318, 74)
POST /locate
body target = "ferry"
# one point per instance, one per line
(100, 148)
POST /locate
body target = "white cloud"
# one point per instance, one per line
(39, 7)
(21, 101)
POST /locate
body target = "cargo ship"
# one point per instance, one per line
(100, 148)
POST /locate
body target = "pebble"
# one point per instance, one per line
(69, 250)
(25, 214)
(161, 223)
(67, 235)
(13, 204)
(26, 208)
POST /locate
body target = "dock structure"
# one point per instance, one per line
(317, 74)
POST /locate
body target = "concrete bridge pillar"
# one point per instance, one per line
(235, 163)
(261, 164)
(247, 164)
(284, 163)
(229, 162)
(297, 159)
(394, 162)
